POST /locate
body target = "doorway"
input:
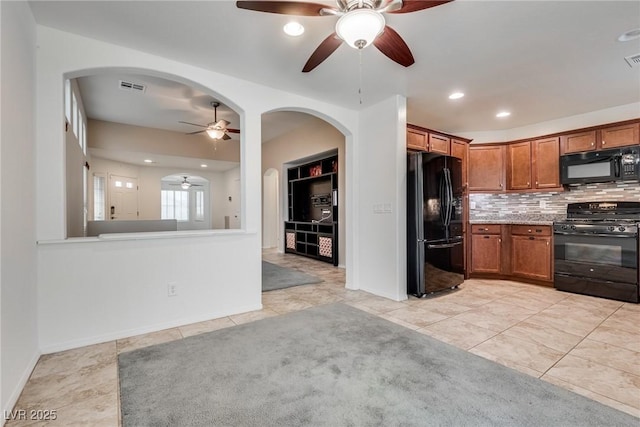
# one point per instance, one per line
(123, 198)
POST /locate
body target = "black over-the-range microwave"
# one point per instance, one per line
(618, 164)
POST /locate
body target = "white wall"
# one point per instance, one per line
(222, 269)
(594, 118)
(18, 314)
(381, 200)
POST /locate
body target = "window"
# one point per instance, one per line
(199, 202)
(174, 205)
(75, 112)
(67, 100)
(99, 197)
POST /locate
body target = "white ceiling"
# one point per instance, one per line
(541, 60)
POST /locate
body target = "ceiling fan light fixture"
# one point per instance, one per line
(185, 185)
(215, 133)
(293, 29)
(360, 27)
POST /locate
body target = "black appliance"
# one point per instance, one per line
(596, 250)
(618, 164)
(435, 245)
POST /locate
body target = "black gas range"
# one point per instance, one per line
(596, 250)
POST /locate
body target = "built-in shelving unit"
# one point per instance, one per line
(312, 226)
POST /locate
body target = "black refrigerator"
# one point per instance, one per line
(435, 243)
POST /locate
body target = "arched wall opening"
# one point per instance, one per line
(294, 136)
(133, 123)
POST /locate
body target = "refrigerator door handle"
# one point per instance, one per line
(444, 245)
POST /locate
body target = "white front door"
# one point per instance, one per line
(123, 197)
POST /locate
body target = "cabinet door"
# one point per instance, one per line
(546, 161)
(486, 168)
(459, 151)
(531, 257)
(519, 166)
(438, 144)
(485, 253)
(416, 140)
(620, 136)
(577, 142)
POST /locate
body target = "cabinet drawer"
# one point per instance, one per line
(485, 228)
(531, 230)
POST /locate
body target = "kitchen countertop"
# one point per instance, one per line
(518, 219)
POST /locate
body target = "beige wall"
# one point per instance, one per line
(315, 137)
(122, 137)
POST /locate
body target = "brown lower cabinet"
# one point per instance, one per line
(504, 251)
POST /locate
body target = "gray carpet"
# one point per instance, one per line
(334, 365)
(276, 277)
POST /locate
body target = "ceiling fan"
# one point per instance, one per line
(217, 129)
(185, 184)
(361, 23)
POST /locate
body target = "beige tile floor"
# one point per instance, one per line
(588, 345)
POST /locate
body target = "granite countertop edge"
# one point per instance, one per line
(515, 221)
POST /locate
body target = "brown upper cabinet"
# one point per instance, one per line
(519, 166)
(546, 163)
(422, 139)
(533, 164)
(620, 136)
(416, 140)
(577, 142)
(486, 167)
(602, 138)
(439, 144)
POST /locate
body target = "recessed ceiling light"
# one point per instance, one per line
(630, 35)
(148, 161)
(456, 95)
(503, 114)
(293, 29)
(203, 166)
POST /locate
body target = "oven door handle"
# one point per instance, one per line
(614, 235)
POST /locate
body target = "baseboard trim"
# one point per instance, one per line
(15, 395)
(116, 335)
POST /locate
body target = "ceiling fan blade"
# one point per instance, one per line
(196, 132)
(322, 52)
(409, 6)
(283, 7)
(391, 44)
(233, 130)
(194, 124)
(225, 137)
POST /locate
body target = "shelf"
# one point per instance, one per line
(307, 178)
(312, 196)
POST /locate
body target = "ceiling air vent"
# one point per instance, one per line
(633, 60)
(135, 87)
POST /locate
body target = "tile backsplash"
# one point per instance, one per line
(483, 206)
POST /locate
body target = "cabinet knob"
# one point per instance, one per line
(528, 183)
(536, 183)
(547, 243)
(593, 143)
(499, 240)
(500, 185)
(529, 230)
(602, 143)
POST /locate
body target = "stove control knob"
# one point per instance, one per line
(621, 228)
(573, 227)
(611, 228)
